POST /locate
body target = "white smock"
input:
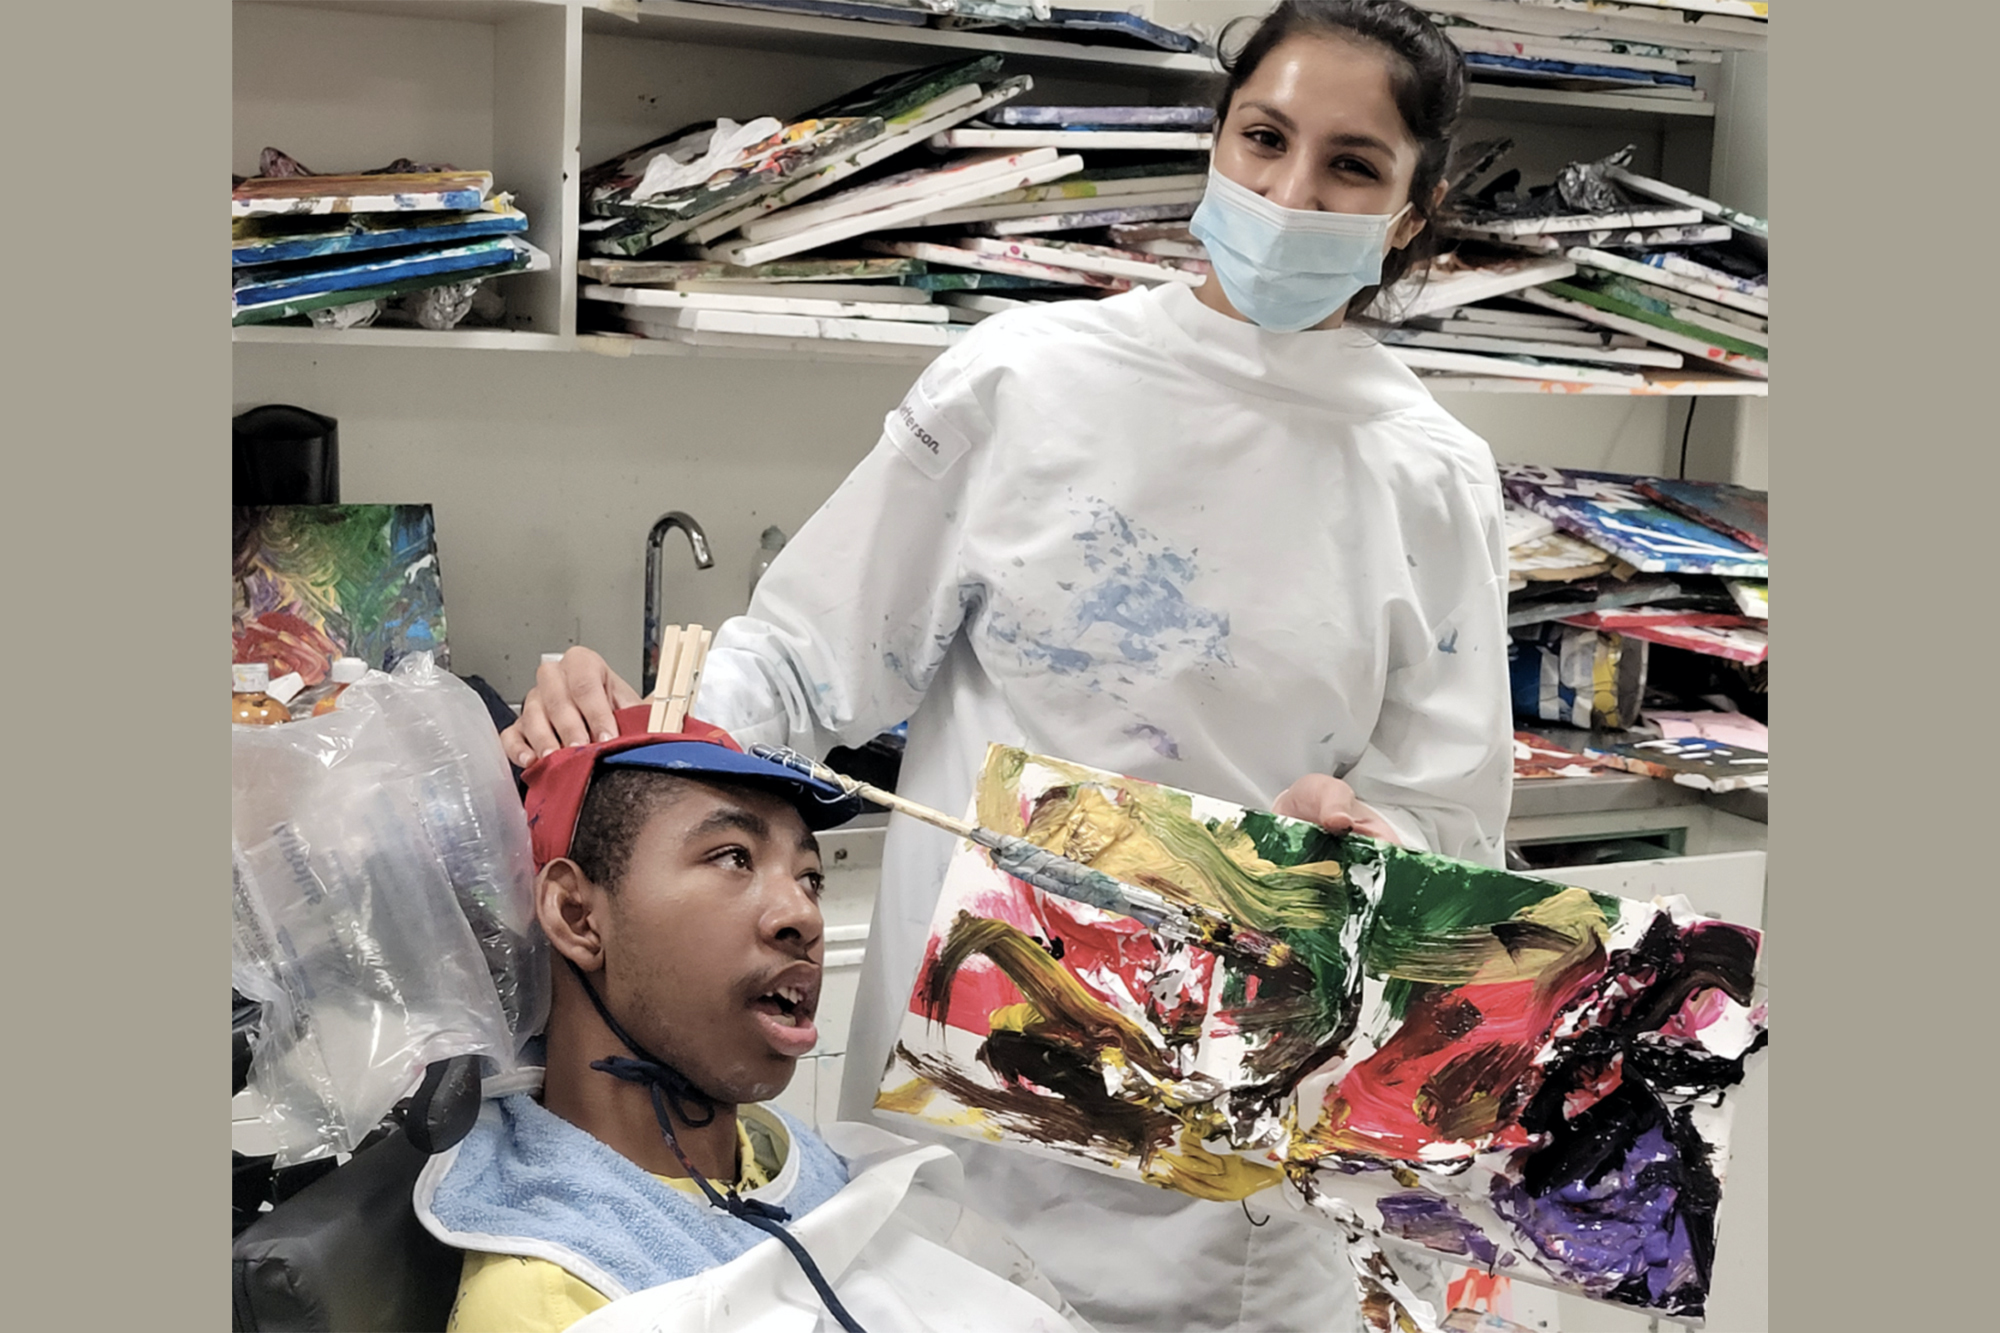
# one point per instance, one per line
(899, 1244)
(1140, 535)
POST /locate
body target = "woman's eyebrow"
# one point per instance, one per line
(1270, 112)
(1358, 141)
(1290, 126)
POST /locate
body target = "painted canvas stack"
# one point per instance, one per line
(1107, 25)
(1604, 277)
(1503, 1071)
(1640, 614)
(1648, 50)
(892, 216)
(410, 239)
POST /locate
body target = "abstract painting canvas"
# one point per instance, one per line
(1738, 511)
(1536, 756)
(1609, 510)
(1692, 761)
(316, 582)
(1488, 1065)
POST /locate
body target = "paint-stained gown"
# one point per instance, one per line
(1143, 536)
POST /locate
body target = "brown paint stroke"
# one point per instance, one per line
(1066, 1015)
(1082, 1114)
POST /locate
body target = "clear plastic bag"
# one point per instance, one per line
(384, 914)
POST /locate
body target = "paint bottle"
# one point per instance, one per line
(252, 706)
(344, 672)
(769, 544)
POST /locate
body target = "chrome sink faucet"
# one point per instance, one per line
(698, 543)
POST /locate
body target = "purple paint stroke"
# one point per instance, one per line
(1433, 1223)
(1602, 1234)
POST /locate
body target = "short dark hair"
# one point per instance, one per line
(615, 811)
(1427, 77)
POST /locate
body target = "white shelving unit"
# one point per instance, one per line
(535, 89)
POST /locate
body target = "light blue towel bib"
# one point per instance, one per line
(526, 1181)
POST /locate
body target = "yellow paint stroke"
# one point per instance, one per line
(907, 1099)
(1150, 836)
(998, 799)
(1192, 1169)
(914, 1097)
(1013, 1018)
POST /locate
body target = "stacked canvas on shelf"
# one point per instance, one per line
(336, 249)
(1605, 277)
(1552, 45)
(1603, 567)
(892, 216)
(1108, 25)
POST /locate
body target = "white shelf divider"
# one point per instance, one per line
(1585, 101)
(795, 350)
(487, 339)
(1682, 386)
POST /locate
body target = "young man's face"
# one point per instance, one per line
(713, 940)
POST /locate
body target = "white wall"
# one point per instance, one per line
(546, 470)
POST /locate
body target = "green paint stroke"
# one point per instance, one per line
(1435, 918)
(367, 573)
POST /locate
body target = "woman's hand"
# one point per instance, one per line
(1322, 799)
(572, 704)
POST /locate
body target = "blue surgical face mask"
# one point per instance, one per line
(1287, 269)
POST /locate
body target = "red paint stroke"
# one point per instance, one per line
(1458, 1070)
(1648, 617)
(1594, 1088)
(286, 643)
(1488, 1293)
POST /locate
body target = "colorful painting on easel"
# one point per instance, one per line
(316, 582)
(1489, 1065)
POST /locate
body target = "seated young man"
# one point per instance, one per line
(678, 884)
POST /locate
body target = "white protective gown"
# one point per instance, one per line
(1140, 535)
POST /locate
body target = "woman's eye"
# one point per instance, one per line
(1354, 166)
(815, 883)
(1265, 139)
(737, 858)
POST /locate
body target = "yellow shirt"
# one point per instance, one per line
(511, 1293)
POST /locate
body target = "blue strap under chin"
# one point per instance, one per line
(671, 1088)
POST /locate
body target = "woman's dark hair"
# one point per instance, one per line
(1426, 76)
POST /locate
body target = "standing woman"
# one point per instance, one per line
(1206, 537)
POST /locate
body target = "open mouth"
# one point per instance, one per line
(789, 1005)
(785, 1011)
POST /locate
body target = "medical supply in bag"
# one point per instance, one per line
(384, 911)
(251, 704)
